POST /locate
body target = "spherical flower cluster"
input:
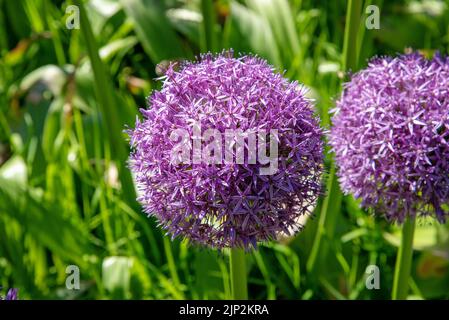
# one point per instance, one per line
(390, 136)
(227, 204)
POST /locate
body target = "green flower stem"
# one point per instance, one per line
(207, 27)
(404, 261)
(238, 274)
(171, 262)
(327, 221)
(350, 52)
(332, 202)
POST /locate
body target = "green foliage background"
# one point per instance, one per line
(67, 198)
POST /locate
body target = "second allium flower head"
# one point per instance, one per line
(228, 204)
(390, 136)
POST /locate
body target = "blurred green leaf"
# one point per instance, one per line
(62, 235)
(14, 171)
(154, 30)
(425, 235)
(116, 276)
(206, 268)
(248, 32)
(279, 15)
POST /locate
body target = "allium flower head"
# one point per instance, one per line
(390, 136)
(227, 204)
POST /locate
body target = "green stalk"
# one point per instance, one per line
(238, 274)
(332, 202)
(207, 27)
(103, 86)
(404, 261)
(105, 93)
(326, 224)
(3, 34)
(350, 52)
(55, 37)
(171, 262)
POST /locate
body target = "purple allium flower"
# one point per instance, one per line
(390, 136)
(12, 294)
(227, 204)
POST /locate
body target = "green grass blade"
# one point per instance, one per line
(105, 93)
